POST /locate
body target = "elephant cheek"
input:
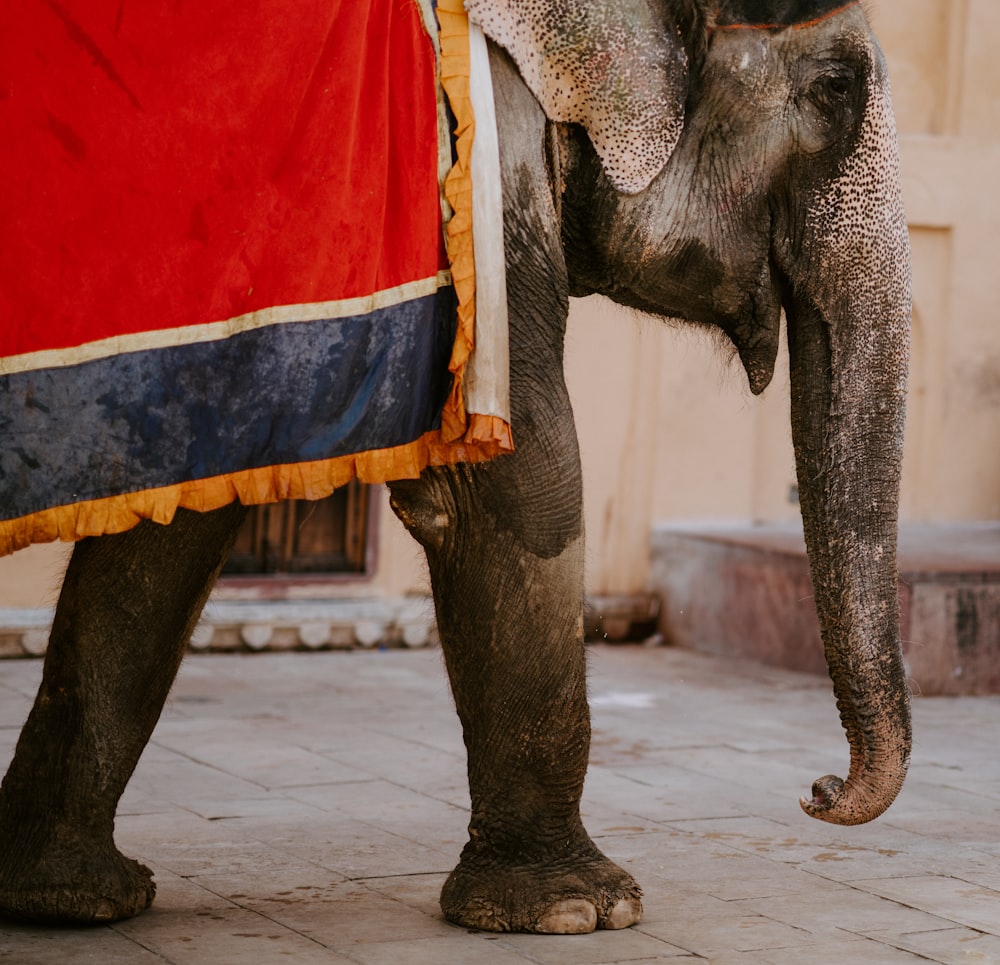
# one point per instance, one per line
(858, 262)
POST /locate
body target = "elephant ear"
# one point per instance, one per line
(617, 68)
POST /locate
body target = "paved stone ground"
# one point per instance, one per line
(306, 808)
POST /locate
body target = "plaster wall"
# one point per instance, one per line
(699, 447)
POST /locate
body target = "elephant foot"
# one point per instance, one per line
(75, 886)
(560, 896)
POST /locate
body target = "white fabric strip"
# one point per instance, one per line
(487, 375)
(215, 331)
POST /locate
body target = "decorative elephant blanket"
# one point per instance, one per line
(225, 273)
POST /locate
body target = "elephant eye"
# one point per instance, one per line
(832, 87)
(838, 85)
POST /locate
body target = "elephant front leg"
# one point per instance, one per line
(505, 547)
(512, 636)
(128, 605)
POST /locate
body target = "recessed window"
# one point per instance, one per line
(305, 536)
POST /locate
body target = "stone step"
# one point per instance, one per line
(746, 591)
(267, 625)
(331, 624)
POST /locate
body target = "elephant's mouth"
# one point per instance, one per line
(699, 289)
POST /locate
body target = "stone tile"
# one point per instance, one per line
(842, 952)
(266, 761)
(902, 858)
(838, 854)
(923, 796)
(717, 934)
(288, 881)
(672, 872)
(344, 915)
(28, 945)
(954, 946)
(419, 892)
(403, 761)
(21, 677)
(618, 791)
(951, 898)
(179, 779)
(320, 798)
(973, 829)
(979, 867)
(733, 875)
(843, 911)
(351, 848)
(398, 810)
(465, 947)
(631, 945)
(14, 708)
(190, 925)
(677, 793)
(182, 844)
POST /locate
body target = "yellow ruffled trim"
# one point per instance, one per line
(306, 480)
(463, 437)
(454, 71)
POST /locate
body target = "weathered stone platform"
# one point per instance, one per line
(746, 591)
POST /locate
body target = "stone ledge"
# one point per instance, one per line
(272, 625)
(237, 625)
(621, 618)
(746, 591)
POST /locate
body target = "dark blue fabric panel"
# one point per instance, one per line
(295, 392)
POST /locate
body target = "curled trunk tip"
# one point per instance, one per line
(855, 801)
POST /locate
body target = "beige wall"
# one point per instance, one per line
(676, 435)
(947, 90)
(668, 428)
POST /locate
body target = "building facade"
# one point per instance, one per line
(668, 428)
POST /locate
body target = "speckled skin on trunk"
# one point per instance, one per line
(774, 185)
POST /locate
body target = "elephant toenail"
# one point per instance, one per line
(574, 916)
(626, 912)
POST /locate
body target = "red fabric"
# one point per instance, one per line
(167, 164)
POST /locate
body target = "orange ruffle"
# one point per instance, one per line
(486, 437)
(455, 70)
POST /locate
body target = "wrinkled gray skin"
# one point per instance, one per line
(781, 191)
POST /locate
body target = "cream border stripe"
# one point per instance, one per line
(217, 331)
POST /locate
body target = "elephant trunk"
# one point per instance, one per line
(848, 442)
(849, 325)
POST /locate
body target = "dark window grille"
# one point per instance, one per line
(304, 536)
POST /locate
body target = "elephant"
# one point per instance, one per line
(720, 162)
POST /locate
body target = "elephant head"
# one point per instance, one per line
(720, 162)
